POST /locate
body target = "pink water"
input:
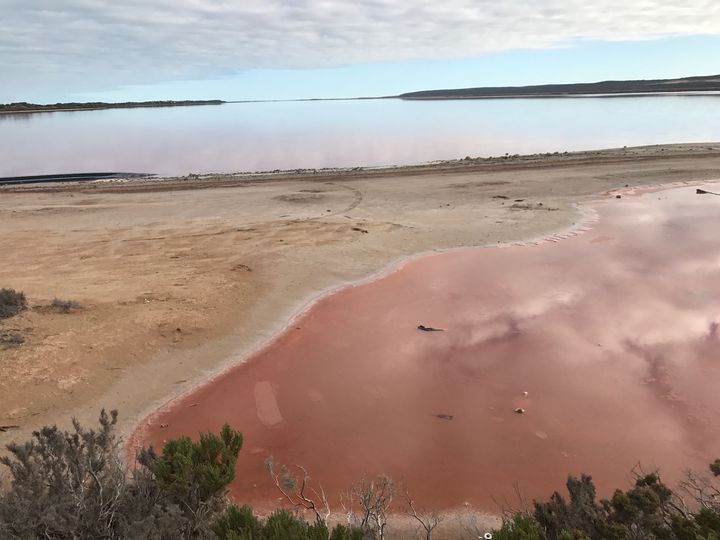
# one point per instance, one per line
(613, 333)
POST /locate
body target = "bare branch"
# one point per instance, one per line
(375, 498)
(287, 484)
(427, 521)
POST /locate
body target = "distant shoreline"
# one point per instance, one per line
(568, 95)
(24, 107)
(706, 85)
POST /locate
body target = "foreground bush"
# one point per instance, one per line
(649, 510)
(73, 484)
(241, 524)
(191, 474)
(12, 302)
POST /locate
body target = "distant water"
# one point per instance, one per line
(288, 135)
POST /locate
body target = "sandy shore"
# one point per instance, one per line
(180, 277)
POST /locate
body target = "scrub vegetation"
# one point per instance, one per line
(64, 306)
(74, 485)
(12, 302)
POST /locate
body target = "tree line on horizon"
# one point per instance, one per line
(23, 106)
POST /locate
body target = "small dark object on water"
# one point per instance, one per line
(618, 196)
(429, 328)
(519, 410)
(500, 197)
(445, 416)
(358, 229)
(699, 191)
(5, 428)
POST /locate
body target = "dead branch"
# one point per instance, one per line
(296, 493)
(375, 497)
(427, 521)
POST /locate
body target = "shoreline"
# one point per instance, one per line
(586, 224)
(121, 351)
(466, 165)
(560, 95)
(225, 314)
(17, 108)
(587, 217)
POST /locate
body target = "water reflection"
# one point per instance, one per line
(613, 334)
(268, 136)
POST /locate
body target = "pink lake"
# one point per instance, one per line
(614, 334)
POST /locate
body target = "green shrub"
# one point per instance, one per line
(238, 523)
(12, 302)
(193, 474)
(346, 532)
(282, 525)
(74, 485)
(649, 510)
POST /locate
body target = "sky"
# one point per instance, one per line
(120, 50)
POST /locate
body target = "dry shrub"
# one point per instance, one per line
(64, 306)
(12, 302)
(10, 339)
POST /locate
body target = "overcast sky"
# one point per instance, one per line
(54, 50)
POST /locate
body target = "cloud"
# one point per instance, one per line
(112, 42)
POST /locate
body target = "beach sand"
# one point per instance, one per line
(179, 278)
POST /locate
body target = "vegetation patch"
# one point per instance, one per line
(10, 339)
(649, 510)
(74, 485)
(12, 302)
(64, 306)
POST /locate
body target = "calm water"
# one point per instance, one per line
(614, 334)
(267, 136)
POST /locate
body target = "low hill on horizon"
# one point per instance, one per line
(709, 83)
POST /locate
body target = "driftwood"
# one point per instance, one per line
(429, 328)
(5, 428)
